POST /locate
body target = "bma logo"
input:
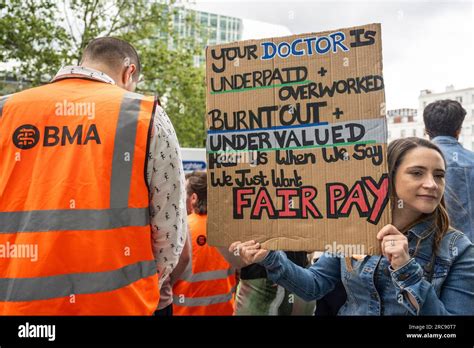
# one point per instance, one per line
(201, 240)
(27, 136)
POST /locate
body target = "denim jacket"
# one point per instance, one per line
(374, 288)
(459, 193)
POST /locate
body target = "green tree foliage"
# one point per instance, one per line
(37, 37)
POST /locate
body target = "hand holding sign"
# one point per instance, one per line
(249, 252)
(394, 246)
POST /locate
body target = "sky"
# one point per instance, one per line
(426, 44)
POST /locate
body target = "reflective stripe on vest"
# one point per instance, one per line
(189, 277)
(31, 289)
(66, 220)
(100, 248)
(203, 301)
(124, 143)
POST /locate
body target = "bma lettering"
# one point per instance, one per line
(54, 135)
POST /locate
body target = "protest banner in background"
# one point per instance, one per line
(296, 142)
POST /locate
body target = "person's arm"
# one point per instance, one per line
(184, 260)
(308, 283)
(234, 260)
(167, 195)
(457, 293)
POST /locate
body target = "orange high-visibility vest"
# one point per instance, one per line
(207, 285)
(73, 187)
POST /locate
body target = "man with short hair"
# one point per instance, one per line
(91, 174)
(443, 121)
(113, 58)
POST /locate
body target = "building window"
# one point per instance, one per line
(389, 135)
(223, 23)
(414, 132)
(203, 18)
(459, 99)
(403, 133)
(214, 20)
(213, 34)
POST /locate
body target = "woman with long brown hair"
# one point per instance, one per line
(427, 268)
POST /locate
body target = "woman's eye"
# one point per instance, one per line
(439, 176)
(417, 173)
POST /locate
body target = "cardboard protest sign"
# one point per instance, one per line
(296, 141)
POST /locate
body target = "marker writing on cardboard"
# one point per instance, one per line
(361, 152)
(295, 137)
(259, 79)
(340, 201)
(314, 45)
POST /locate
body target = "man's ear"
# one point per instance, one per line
(127, 76)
